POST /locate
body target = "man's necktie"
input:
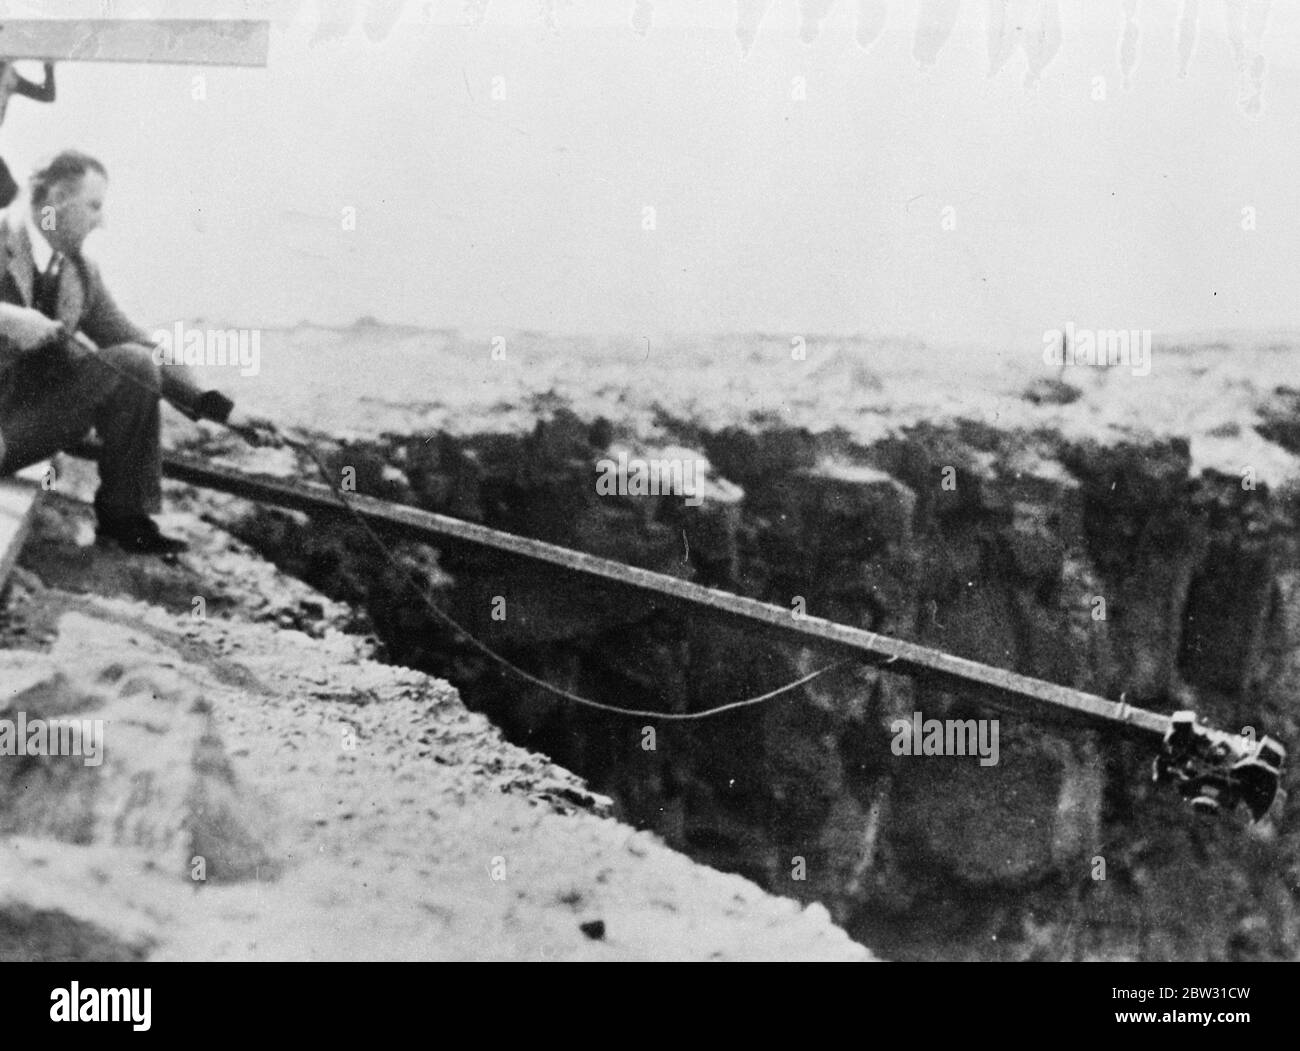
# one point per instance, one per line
(45, 293)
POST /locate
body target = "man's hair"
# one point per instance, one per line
(64, 166)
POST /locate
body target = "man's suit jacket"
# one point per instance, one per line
(84, 303)
(84, 306)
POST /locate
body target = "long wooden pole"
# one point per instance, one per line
(996, 687)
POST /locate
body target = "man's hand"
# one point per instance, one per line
(253, 429)
(28, 329)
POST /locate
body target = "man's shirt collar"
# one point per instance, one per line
(41, 250)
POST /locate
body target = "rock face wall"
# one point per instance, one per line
(1105, 567)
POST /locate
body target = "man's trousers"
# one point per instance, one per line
(51, 399)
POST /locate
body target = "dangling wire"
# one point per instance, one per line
(491, 654)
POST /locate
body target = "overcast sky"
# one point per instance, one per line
(780, 205)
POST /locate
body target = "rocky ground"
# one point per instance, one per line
(1125, 531)
(270, 791)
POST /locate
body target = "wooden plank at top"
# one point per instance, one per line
(227, 42)
(18, 499)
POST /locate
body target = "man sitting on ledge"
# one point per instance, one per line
(70, 360)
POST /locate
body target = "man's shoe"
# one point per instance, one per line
(138, 534)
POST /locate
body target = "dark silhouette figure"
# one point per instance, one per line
(14, 83)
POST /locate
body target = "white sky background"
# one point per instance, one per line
(779, 215)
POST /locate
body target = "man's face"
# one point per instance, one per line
(78, 209)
